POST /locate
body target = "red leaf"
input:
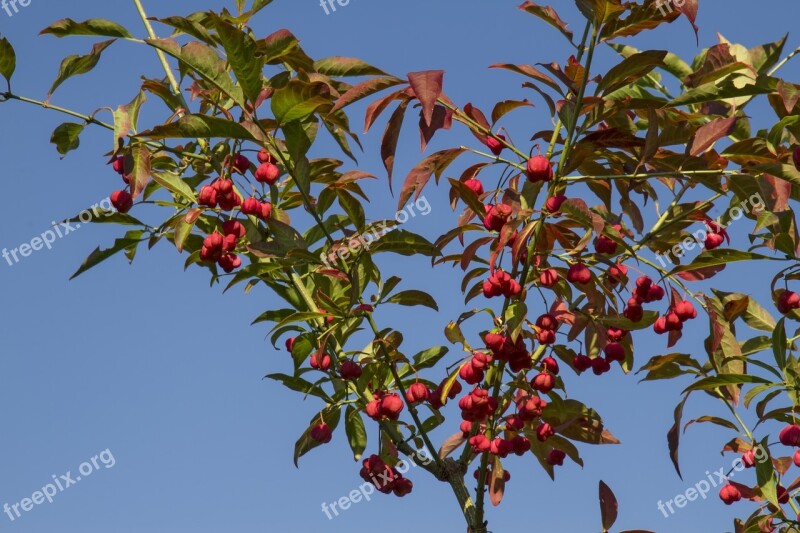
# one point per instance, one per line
(710, 133)
(364, 89)
(442, 120)
(377, 107)
(689, 8)
(701, 273)
(390, 136)
(421, 174)
(608, 506)
(427, 87)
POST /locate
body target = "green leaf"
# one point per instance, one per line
(674, 435)
(299, 100)
(630, 70)
(412, 298)
(173, 183)
(722, 380)
(202, 126)
(346, 66)
(75, 65)
(356, 432)
(719, 256)
(757, 317)
(428, 358)
(240, 50)
(780, 344)
(765, 475)
(298, 384)
(8, 59)
(711, 92)
(404, 242)
(66, 137)
(131, 240)
(203, 60)
(103, 27)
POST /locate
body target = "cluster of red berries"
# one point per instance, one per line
(645, 292)
(122, 199)
(267, 172)
(613, 352)
(320, 361)
(385, 478)
(606, 245)
(680, 312)
(496, 216)
(513, 352)
(477, 405)
(218, 248)
(500, 283)
(436, 400)
(385, 406)
(417, 393)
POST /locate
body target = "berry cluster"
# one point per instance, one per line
(385, 478)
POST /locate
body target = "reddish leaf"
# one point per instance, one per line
(531, 72)
(710, 133)
(701, 273)
(364, 89)
(608, 506)
(497, 484)
(549, 15)
(506, 106)
(377, 107)
(427, 86)
(421, 174)
(674, 436)
(689, 8)
(390, 137)
(451, 444)
(442, 120)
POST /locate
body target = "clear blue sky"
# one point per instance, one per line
(150, 363)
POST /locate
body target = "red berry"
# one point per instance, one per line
(788, 301)
(290, 343)
(539, 169)
(660, 325)
(251, 206)
(579, 273)
(402, 486)
(605, 245)
(374, 409)
(617, 273)
(264, 156)
(470, 374)
(615, 334)
(614, 352)
(350, 370)
(417, 393)
(480, 444)
(790, 435)
(521, 445)
(551, 365)
(475, 185)
(556, 457)
(548, 278)
(496, 216)
(320, 362)
(267, 173)
(600, 366)
(501, 447)
(122, 201)
(544, 431)
(634, 313)
(207, 196)
(582, 363)
(749, 459)
(730, 494)
(241, 163)
(233, 227)
(796, 458)
(783, 494)
(553, 204)
(543, 382)
(230, 262)
(714, 240)
(494, 145)
(118, 165)
(547, 321)
(391, 406)
(321, 433)
(684, 310)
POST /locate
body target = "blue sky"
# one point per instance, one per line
(151, 364)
